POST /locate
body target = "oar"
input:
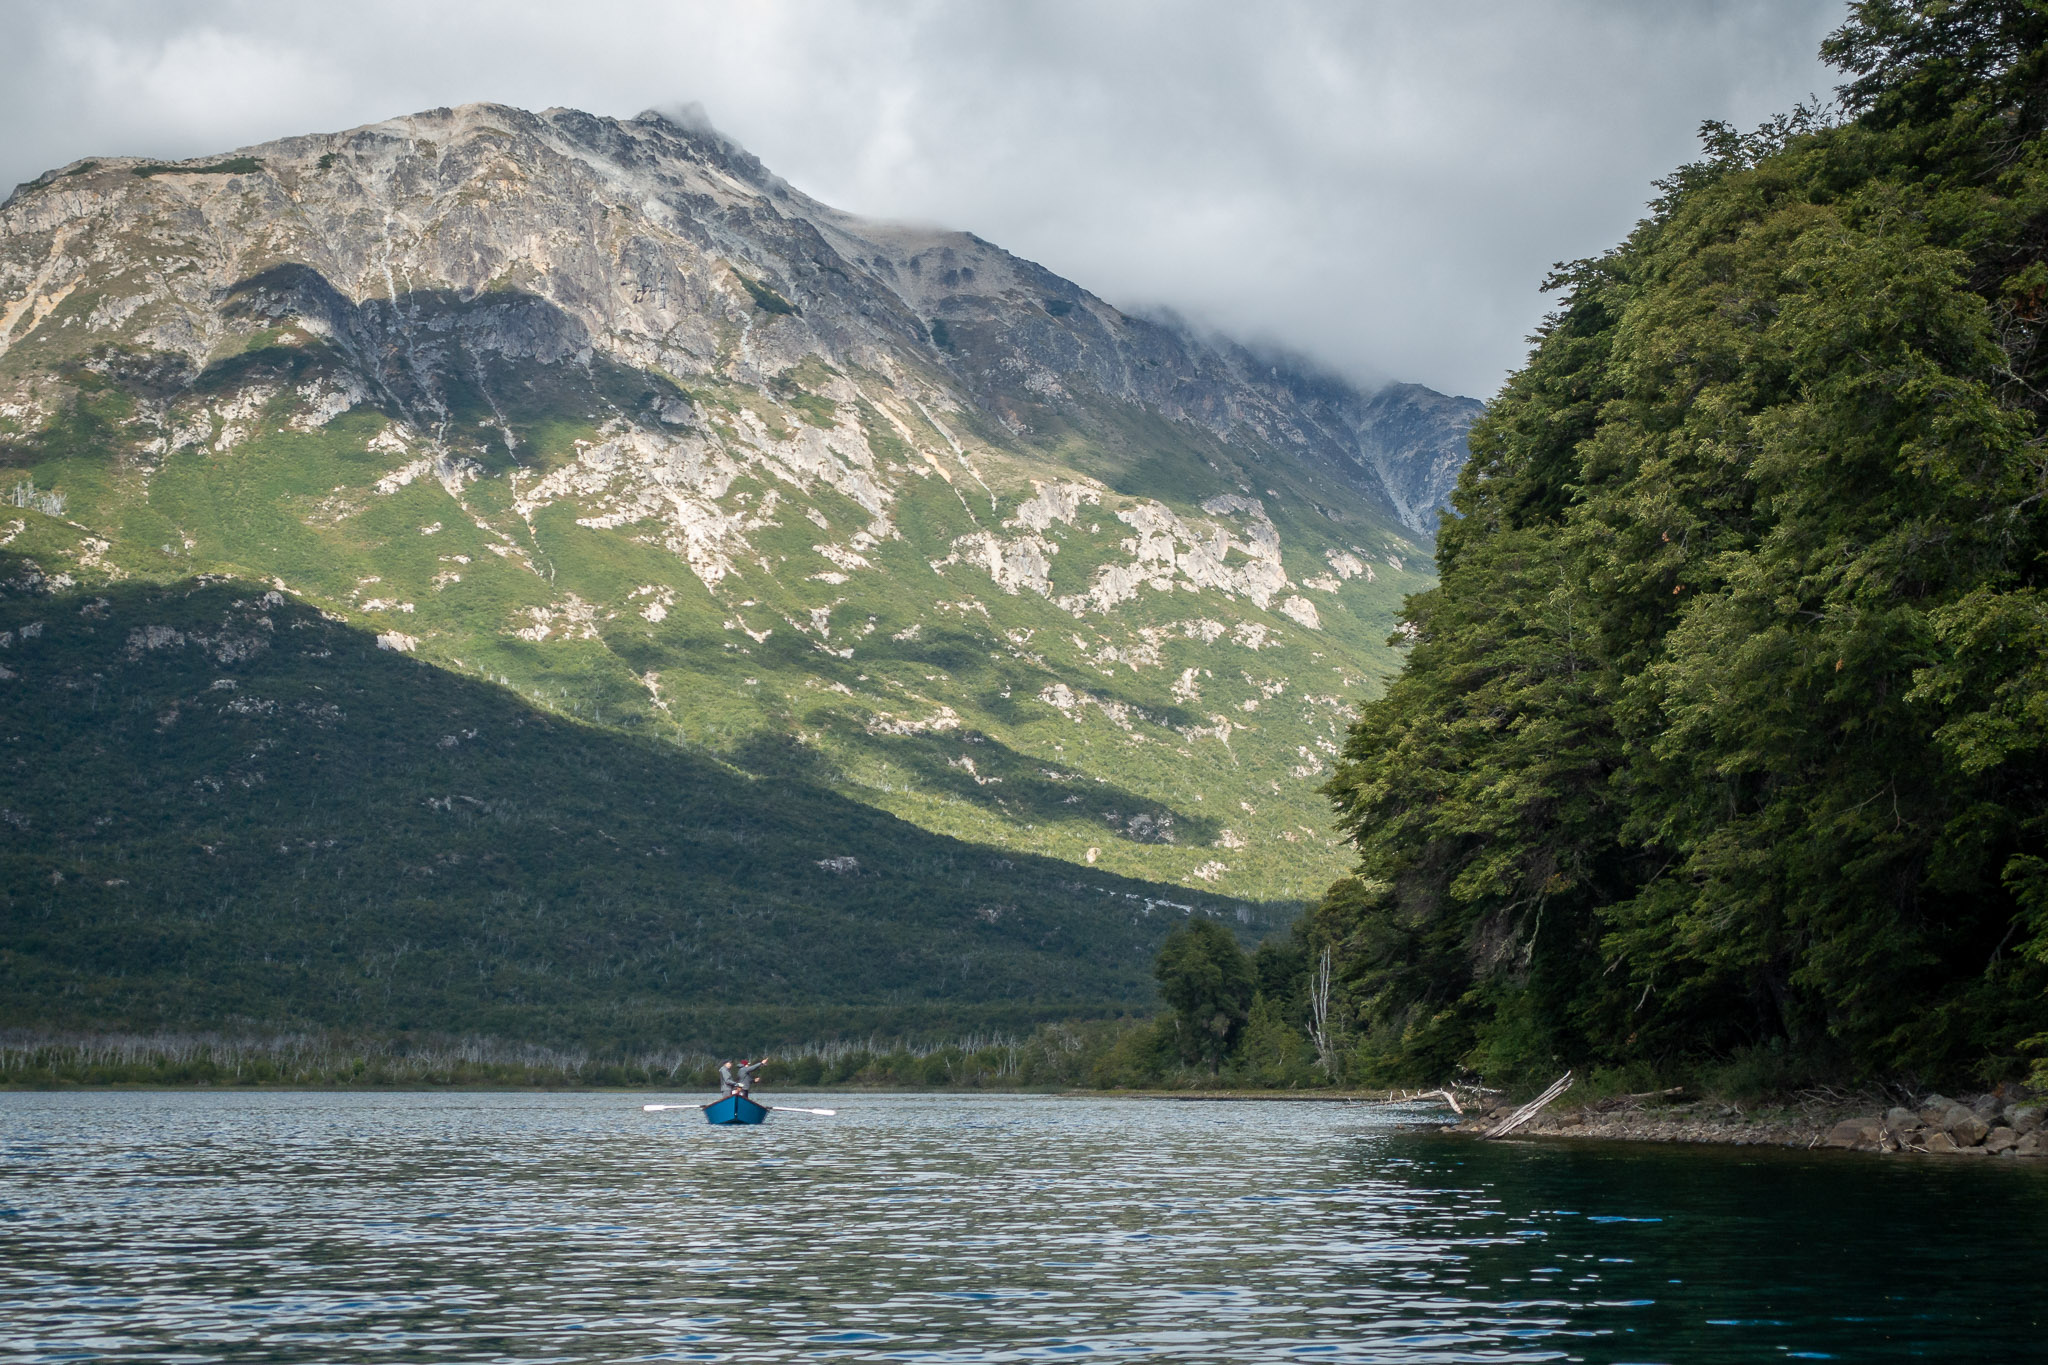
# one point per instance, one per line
(785, 1108)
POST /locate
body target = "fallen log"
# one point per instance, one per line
(1411, 1096)
(1532, 1108)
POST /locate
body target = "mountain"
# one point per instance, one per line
(605, 417)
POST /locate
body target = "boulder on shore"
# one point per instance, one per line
(1965, 1127)
(1849, 1133)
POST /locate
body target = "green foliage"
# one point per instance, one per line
(1207, 980)
(1724, 730)
(1052, 1056)
(1280, 972)
(1238, 1021)
(234, 165)
(815, 409)
(766, 299)
(217, 804)
(1274, 1053)
(1124, 1053)
(302, 1060)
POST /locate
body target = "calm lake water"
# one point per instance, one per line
(412, 1227)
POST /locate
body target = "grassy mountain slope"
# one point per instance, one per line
(607, 413)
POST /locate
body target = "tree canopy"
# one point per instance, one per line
(1207, 980)
(1724, 730)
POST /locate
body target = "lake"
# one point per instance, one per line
(280, 1226)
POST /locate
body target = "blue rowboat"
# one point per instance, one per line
(735, 1109)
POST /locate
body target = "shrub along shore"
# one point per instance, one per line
(1107, 1054)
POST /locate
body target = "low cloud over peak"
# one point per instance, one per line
(1380, 187)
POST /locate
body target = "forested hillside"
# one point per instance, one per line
(225, 810)
(1725, 735)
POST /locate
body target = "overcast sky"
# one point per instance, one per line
(1379, 184)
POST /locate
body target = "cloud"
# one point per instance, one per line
(1381, 186)
(178, 81)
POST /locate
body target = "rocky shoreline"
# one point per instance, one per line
(2010, 1122)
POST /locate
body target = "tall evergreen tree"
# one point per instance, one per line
(1208, 981)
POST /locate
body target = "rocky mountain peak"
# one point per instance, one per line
(604, 410)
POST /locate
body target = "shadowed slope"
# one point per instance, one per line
(221, 805)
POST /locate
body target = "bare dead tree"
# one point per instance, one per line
(1319, 1006)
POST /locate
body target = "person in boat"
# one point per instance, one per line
(726, 1084)
(747, 1070)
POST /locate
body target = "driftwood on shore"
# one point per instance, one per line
(1411, 1096)
(1448, 1093)
(1532, 1108)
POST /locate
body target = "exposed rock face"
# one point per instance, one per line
(542, 383)
(1414, 439)
(425, 245)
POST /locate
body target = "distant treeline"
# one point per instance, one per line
(1238, 1021)
(1096, 1054)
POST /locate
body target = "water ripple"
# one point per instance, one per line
(543, 1228)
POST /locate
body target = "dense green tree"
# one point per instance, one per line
(1274, 1052)
(1280, 970)
(1207, 980)
(1724, 728)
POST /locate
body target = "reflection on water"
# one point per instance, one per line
(304, 1227)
